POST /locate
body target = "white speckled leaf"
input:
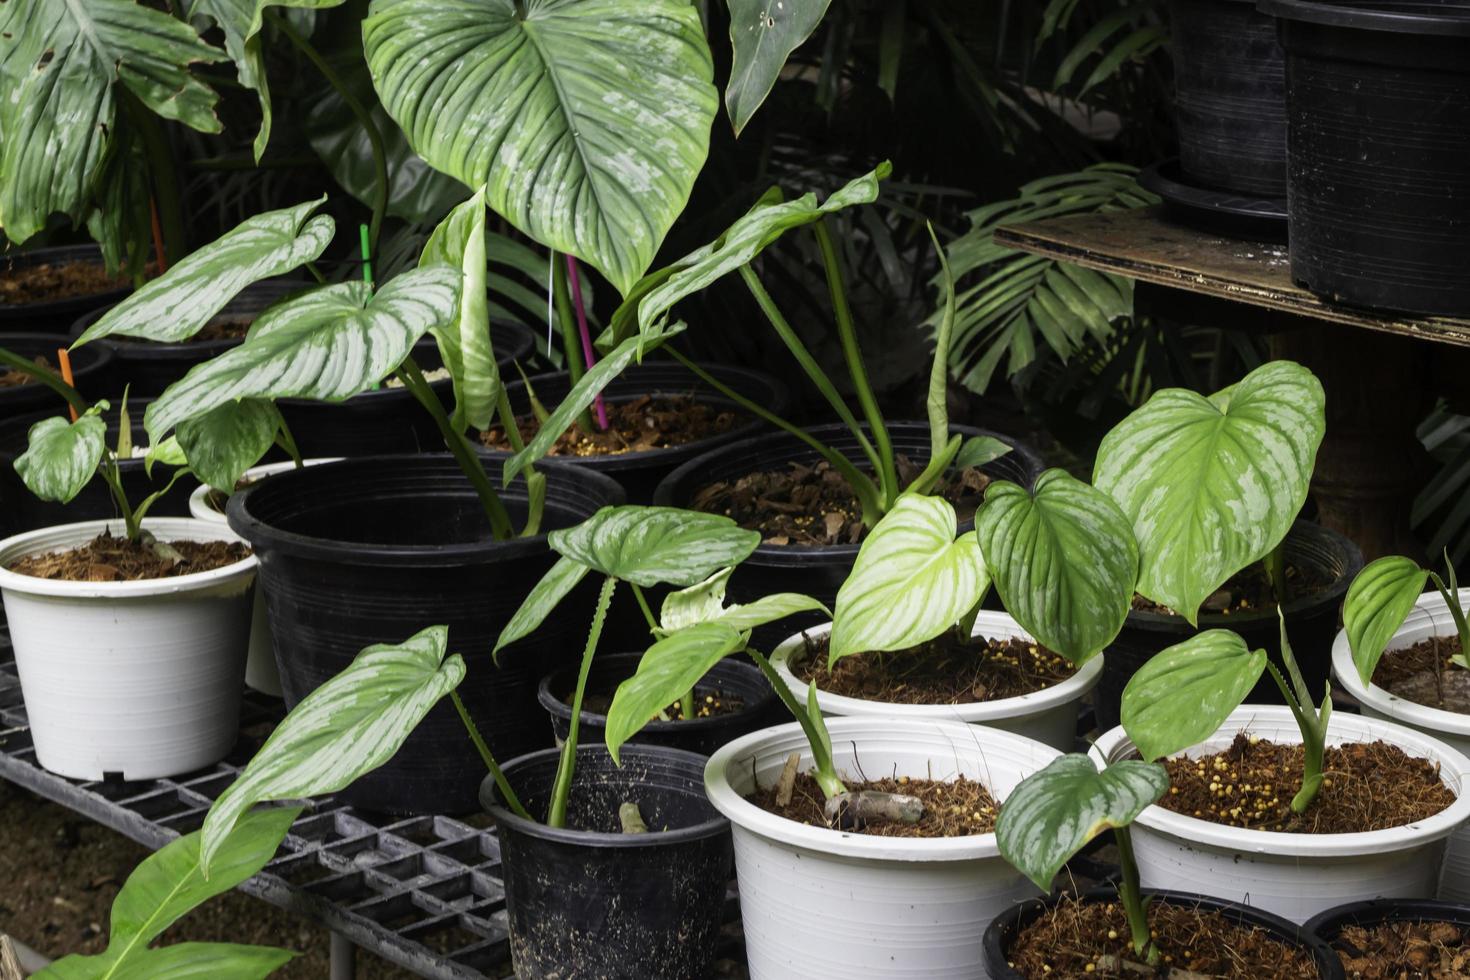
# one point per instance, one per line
(705, 603)
(1213, 484)
(655, 545)
(912, 580)
(1378, 602)
(763, 33)
(465, 344)
(545, 596)
(61, 456)
(587, 120)
(1064, 561)
(1184, 693)
(669, 669)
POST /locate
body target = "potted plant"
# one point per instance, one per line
(1395, 938)
(46, 289)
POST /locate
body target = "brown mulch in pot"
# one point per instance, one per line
(1426, 673)
(109, 559)
(1249, 591)
(1404, 951)
(13, 378)
(952, 808)
(55, 280)
(642, 424)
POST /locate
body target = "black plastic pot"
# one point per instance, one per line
(1003, 929)
(1378, 115)
(1311, 625)
(88, 366)
(701, 735)
(817, 572)
(389, 421)
(56, 315)
(373, 550)
(1328, 925)
(1230, 98)
(146, 368)
(588, 901)
(640, 473)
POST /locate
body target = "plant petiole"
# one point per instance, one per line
(567, 767)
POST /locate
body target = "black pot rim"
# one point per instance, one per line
(489, 791)
(254, 529)
(103, 352)
(1367, 18)
(556, 706)
(80, 253)
(1327, 924)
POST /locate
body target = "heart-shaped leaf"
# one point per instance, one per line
(1213, 484)
(763, 35)
(1378, 602)
(1064, 561)
(350, 725)
(545, 596)
(222, 444)
(177, 305)
(62, 456)
(705, 603)
(328, 344)
(1184, 693)
(586, 120)
(465, 344)
(655, 545)
(912, 580)
(1053, 814)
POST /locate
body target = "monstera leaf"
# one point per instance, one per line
(1184, 693)
(225, 442)
(1064, 561)
(349, 726)
(465, 344)
(1378, 602)
(1213, 484)
(763, 35)
(59, 63)
(62, 456)
(655, 545)
(328, 344)
(1052, 814)
(912, 580)
(586, 120)
(177, 305)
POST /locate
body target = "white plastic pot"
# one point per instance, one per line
(260, 665)
(823, 903)
(1429, 618)
(140, 679)
(1049, 715)
(1297, 875)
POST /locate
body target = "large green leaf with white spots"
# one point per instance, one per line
(1378, 602)
(763, 33)
(328, 344)
(61, 456)
(177, 305)
(1054, 813)
(912, 580)
(655, 545)
(1063, 559)
(1184, 693)
(60, 63)
(1213, 484)
(586, 120)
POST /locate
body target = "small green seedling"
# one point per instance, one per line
(1381, 598)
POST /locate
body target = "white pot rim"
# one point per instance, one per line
(1429, 613)
(1454, 768)
(199, 498)
(746, 815)
(67, 535)
(989, 624)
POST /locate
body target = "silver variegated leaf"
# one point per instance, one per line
(763, 34)
(62, 456)
(226, 441)
(465, 344)
(1184, 693)
(705, 603)
(547, 594)
(655, 545)
(1378, 602)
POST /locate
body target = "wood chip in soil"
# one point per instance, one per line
(1404, 951)
(13, 378)
(812, 506)
(948, 670)
(641, 424)
(956, 808)
(1077, 934)
(1248, 591)
(713, 703)
(1426, 673)
(1368, 786)
(109, 559)
(55, 280)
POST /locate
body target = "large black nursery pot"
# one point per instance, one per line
(731, 678)
(1328, 925)
(815, 571)
(365, 551)
(1004, 929)
(1230, 103)
(389, 420)
(54, 315)
(1311, 625)
(89, 367)
(641, 472)
(590, 901)
(1378, 115)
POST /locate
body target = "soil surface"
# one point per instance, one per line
(1091, 939)
(1368, 786)
(645, 423)
(1248, 591)
(812, 506)
(947, 670)
(12, 378)
(713, 703)
(958, 808)
(1404, 951)
(55, 280)
(1426, 673)
(109, 559)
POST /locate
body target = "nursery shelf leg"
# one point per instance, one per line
(343, 958)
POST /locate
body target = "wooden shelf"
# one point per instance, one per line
(1146, 245)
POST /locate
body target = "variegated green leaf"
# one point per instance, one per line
(62, 456)
(181, 961)
(1184, 693)
(1378, 602)
(655, 545)
(978, 450)
(587, 120)
(1213, 484)
(545, 596)
(349, 726)
(1064, 561)
(225, 442)
(912, 580)
(465, 344)
(705, 603)
(177, 305)
(329, 344)
(763, 34)
(1054, 813)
